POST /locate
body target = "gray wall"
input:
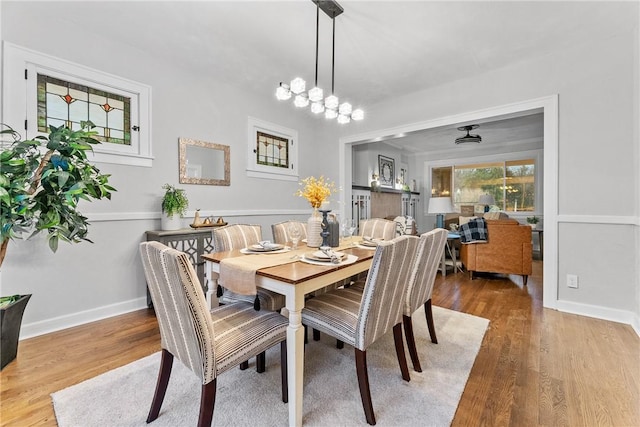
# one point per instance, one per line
(598, 158)
(598, 179)
(87, 281)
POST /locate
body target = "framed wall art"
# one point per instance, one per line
(386, 166)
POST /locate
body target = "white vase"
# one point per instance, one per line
(314, 228)
(168, 223)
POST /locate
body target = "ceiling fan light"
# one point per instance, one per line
(301, 100)
(468, 137)
(330, 114)
(343, 119)
(357, 114)
(317, 107)
(345, 108)
(315, 94)
(331, 102)
(298, 85)
(283, 93)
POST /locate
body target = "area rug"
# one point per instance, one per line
(122, 397)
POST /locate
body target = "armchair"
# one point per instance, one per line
(508, 250)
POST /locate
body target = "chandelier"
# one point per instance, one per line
(330, 106)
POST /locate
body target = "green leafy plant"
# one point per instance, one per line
(533, 220)
(175, 201)
(42, 181)
(7, 301)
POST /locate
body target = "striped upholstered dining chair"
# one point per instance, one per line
(281, 233)
(238, 236)
(378, 228)
(207, 342)
(428, 256)
(360, 317)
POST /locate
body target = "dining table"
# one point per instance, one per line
(294, 278)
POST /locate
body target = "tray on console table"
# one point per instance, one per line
(213, 224)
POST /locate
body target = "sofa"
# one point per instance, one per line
(508, 250)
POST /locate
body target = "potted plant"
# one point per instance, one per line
(533, 221)
(42, 180)
(174, 207)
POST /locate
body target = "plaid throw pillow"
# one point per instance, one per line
(475, 231)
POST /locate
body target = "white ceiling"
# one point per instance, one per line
(383, 48)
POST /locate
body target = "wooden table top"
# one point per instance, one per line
(295, 272)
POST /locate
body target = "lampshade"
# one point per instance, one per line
(486, 199)
(440, 205)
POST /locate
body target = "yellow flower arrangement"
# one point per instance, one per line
(316, 190)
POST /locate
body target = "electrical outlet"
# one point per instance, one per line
(572, 281)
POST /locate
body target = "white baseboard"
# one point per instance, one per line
(598, 312)
(34, 329)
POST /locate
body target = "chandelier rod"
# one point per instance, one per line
(333, 54)
(317, 32)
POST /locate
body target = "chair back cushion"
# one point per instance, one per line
(428, 256)
(378, 228)
(384, 291)
(186, 329)
(236, 236)
(281, 231)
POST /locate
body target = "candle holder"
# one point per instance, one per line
(325, 227)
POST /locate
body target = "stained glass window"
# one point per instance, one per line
(272, 150)
(65, 103)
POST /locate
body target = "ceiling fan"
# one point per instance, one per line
(468, 137)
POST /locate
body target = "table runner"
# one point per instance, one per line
(238, 274)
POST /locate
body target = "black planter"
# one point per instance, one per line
(10, 321)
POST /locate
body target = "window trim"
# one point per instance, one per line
(537, 155)
(20, 103)
(255, 170)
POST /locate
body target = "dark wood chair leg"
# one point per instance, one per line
(207, 402)
(428, 312)
(316, 335)
(283, 371)
(261, 362)
(166, 363)
(244, 365)
(411, 343)
(339, 344)
(524, 279)
(402, 359)
(363, 383)
(470, 275)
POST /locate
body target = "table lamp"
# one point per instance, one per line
(486, 200)
(440, 206)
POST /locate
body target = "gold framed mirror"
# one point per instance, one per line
(204, 163)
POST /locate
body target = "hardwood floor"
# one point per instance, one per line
(535, 366)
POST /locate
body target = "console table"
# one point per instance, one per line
(194, 242)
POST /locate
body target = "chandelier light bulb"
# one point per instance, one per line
(330, 114)
(331, 102)
(301, 100)
(317, 107)
(298, 85)
(283, 93)
(342, 119)
(345, 109)
(315, 94)
(357, 114)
